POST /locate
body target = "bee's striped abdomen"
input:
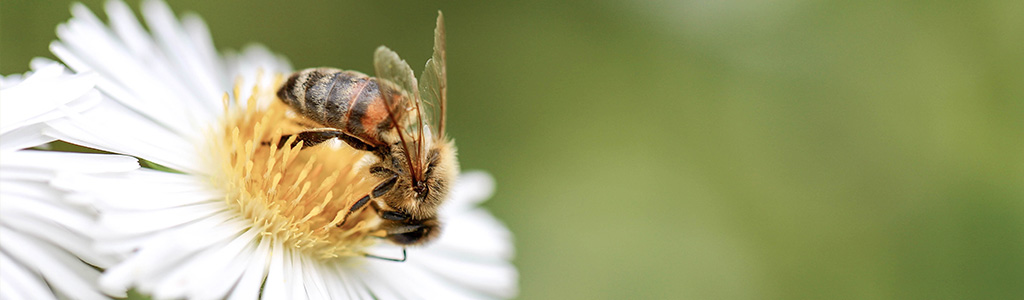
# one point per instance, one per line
(346, 100)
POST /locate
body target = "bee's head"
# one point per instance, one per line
(410, 195)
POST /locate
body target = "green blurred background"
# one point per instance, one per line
(703, 149)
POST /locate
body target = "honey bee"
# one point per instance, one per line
(399, 120)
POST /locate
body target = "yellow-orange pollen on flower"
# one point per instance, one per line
(295, 196)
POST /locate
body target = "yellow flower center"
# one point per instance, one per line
(295, 196)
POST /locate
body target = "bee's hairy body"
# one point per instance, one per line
(398, 119)
(350, 106)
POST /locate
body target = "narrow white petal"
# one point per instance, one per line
(207, 271)
(248, 286)
(225, 268)
(69, 161)
(24, 137)
(176, 283)
(20, 282)
(112, 127)
(166, 251)
(65, 272)
(275, 285)
(58, 225)
(471, 189)
(30, 132)
(304, 286)
(418, 281)
(36, 95)
(165, 190)
(475, 234)
(379, 287)
(186, 56)
(52, 212)
(496, 278)
(199, 34)
(125, 200)
(328, 274)
(355, 288)
(252, 60)
(12, 183)
(87, 45)
(136, 222)
(190, 236)
(359, 290)
(129, 31)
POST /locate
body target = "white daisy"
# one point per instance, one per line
(45, 245)
(240, 219)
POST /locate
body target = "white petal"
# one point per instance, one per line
(209, 273)
(276, 286)
(225, 268)
(112, 127)
(157, 254)
(84, 48)
(36, 95)
(294, 276)
(67, 274)
(162, 189)
(69, 161)
(24, 137)
(73, 240)
(14, 184)
(248, 286)
(20, 282)
(129, 31)
(205, 85)
(136, 222)
(254, 60)
(475, 234)
(146, 84)
(471, 189)
(331, 283)
(174, 283)
(496, 278)
(199, 34)
(418, 281)
(380, 288)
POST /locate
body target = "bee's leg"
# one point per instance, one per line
(378, 191)
(314, 137)
(310, 137)
(359, 204)
(356, 143)
(385, 186)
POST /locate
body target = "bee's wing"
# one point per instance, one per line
(397, 79)
(433, 85)
(394, 69)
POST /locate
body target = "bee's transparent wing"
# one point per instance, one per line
(394, 69)
(433, 86)
(398, 82)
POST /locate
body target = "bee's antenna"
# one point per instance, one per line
(388, 258)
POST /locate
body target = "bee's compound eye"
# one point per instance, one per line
(393, 216)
